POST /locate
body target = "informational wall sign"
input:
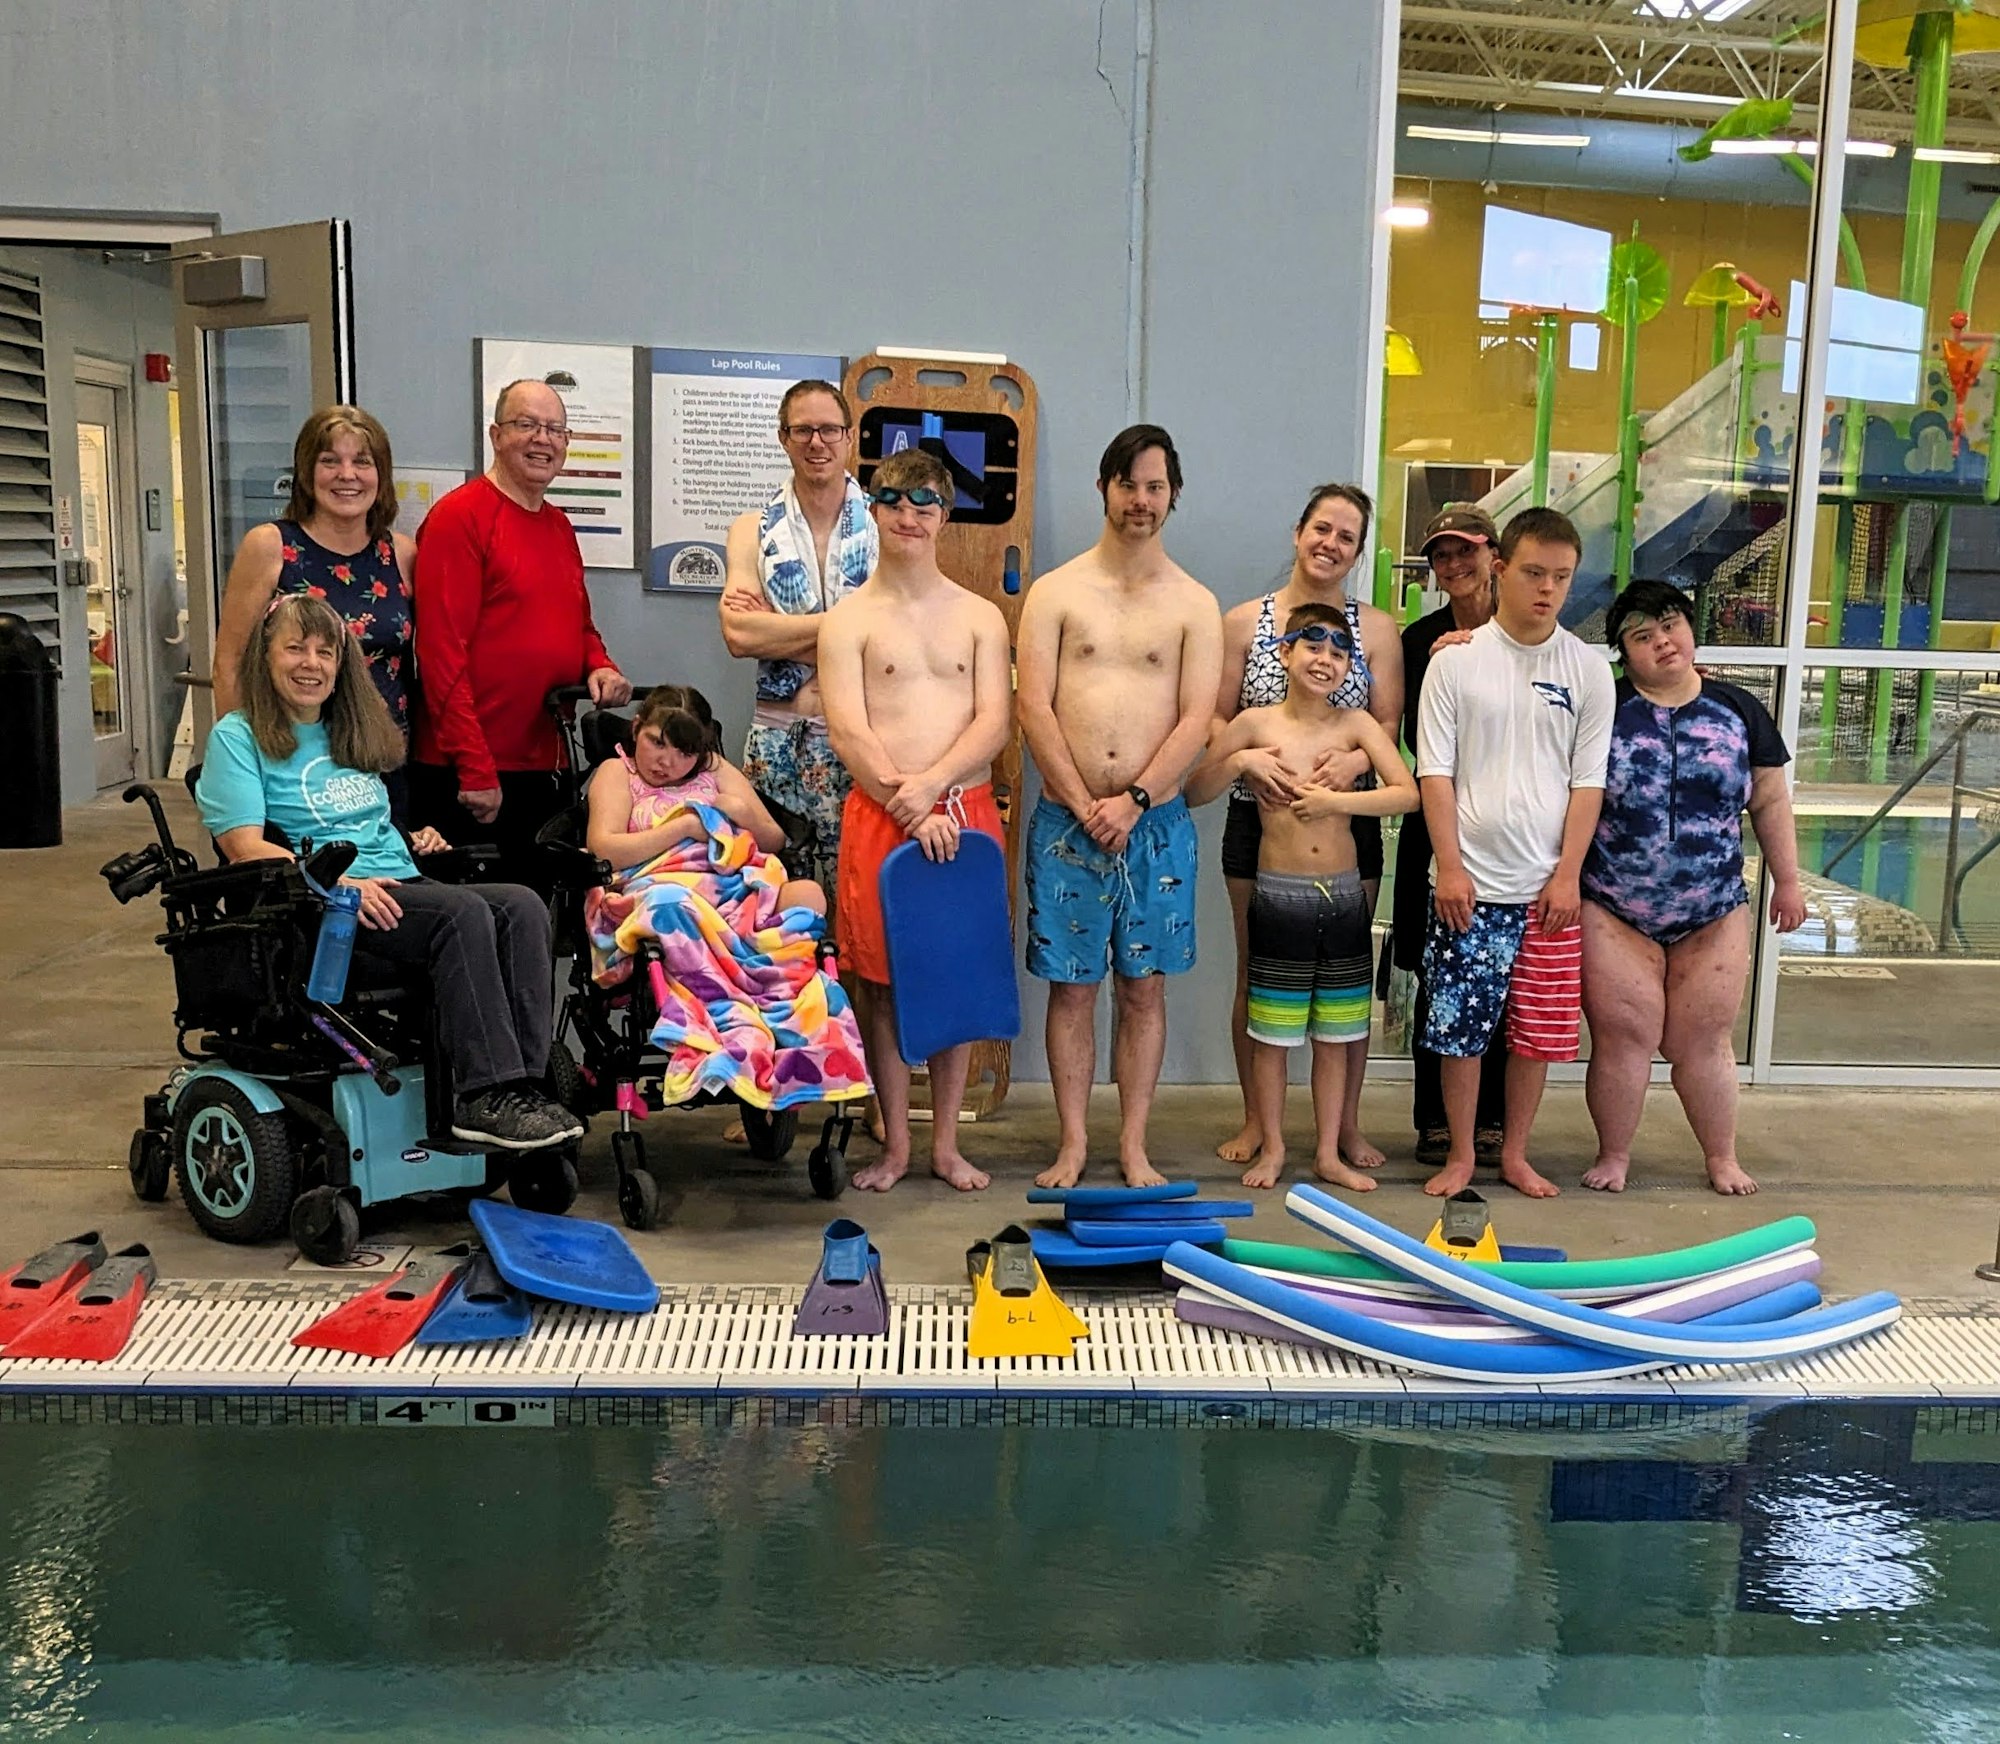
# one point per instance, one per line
(715, 452)
(598, 485)
(417, 487)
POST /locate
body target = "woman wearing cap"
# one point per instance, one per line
(1326, 542)
(1459, 543)
(1666, 916)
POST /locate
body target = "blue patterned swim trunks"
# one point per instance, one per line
(1132, 912)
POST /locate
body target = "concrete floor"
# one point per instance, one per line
(1903, 1185)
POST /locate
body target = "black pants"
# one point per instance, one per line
(485, 949)
(528, 799)
(1427, 1101)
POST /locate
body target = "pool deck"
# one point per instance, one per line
(1902, 1185)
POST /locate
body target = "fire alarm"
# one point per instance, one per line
(159, 367)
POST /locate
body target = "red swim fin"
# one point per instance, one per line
(381, 1320)
(32, 1288)
(93, 1322)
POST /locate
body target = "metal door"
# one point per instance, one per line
(264, 336)
(107, 538)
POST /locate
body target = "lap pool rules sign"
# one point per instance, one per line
(715, 452)
(464, 1411)
(598, 487)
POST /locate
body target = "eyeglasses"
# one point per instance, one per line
(537, 426)
(918, 496)
(1315, 636)
(827, 433)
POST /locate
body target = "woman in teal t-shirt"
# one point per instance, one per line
(306, 751)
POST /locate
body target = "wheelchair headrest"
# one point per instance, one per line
(602, 734)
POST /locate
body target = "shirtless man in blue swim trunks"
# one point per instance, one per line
(1666, 914)
(1119, 655)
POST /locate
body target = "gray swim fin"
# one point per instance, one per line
(846, 1296)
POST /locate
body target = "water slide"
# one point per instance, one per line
(1731, 432)
(1688, 481)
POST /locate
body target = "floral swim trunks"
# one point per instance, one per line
(1088, 909)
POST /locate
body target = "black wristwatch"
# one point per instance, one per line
(1139, 797)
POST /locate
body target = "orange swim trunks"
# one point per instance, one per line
(867, 836)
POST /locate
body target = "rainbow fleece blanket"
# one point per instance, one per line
(744, 1008)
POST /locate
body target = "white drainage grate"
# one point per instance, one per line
(235, 1337)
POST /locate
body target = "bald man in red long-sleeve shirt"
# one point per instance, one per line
(502, 619)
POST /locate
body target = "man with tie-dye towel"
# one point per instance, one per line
(790, 563)
(743, 1006)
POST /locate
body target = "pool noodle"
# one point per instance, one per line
(1579, 1324)
(1609, 1276)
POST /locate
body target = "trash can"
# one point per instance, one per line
(30, 772)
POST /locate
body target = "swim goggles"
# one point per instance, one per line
(918, 496)
(1314, 636)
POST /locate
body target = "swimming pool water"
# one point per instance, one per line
(1829, 1575)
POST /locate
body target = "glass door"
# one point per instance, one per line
(108, 540)
(264, 335)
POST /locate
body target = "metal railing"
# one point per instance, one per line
(1980, 714)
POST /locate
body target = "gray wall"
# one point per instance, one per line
(116, 310)
(811, 177)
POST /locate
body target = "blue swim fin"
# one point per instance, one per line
(846, 1296)
(480, 1307)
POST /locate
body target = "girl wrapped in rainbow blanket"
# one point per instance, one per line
(744, 1007)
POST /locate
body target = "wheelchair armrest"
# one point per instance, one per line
(474, 863)
(573, 868)
(239, 878)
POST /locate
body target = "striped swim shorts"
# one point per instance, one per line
(1504, 966)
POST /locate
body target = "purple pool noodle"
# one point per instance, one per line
(1730, 1290)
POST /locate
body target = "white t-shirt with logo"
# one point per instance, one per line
(1516, 728)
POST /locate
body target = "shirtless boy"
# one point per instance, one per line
(1120, 653)
(913, 671)
(1311, 965)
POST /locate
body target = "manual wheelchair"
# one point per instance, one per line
(292, 1111)
(619, 1069)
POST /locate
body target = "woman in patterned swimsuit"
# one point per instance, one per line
(1328, 539)
(336, 542)
(1666, 917)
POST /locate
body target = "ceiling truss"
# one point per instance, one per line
(1582, 58)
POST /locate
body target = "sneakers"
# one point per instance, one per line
(1433, 1146)
(511, 1118)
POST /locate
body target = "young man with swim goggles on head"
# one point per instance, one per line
(914, 672)
(1310, 949)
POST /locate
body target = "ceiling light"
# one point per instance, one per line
(1474, 136)
(1408, 215)
(1952, 154)
(1804, 147)
(1655, 94)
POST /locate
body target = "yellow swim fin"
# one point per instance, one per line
(1465, 1231)
(1014, 1311)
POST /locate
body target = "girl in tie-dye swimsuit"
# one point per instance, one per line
(1664, 956)
(1667, 859)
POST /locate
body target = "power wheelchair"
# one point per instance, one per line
(619, 1070)
(292, 1111)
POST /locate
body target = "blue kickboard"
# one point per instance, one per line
(564, 1259)
(951, 950)
(1057, 1247)
(1095, 1198)
(1093, 1234)
(1158, 1211)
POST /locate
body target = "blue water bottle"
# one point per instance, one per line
(328, 980)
